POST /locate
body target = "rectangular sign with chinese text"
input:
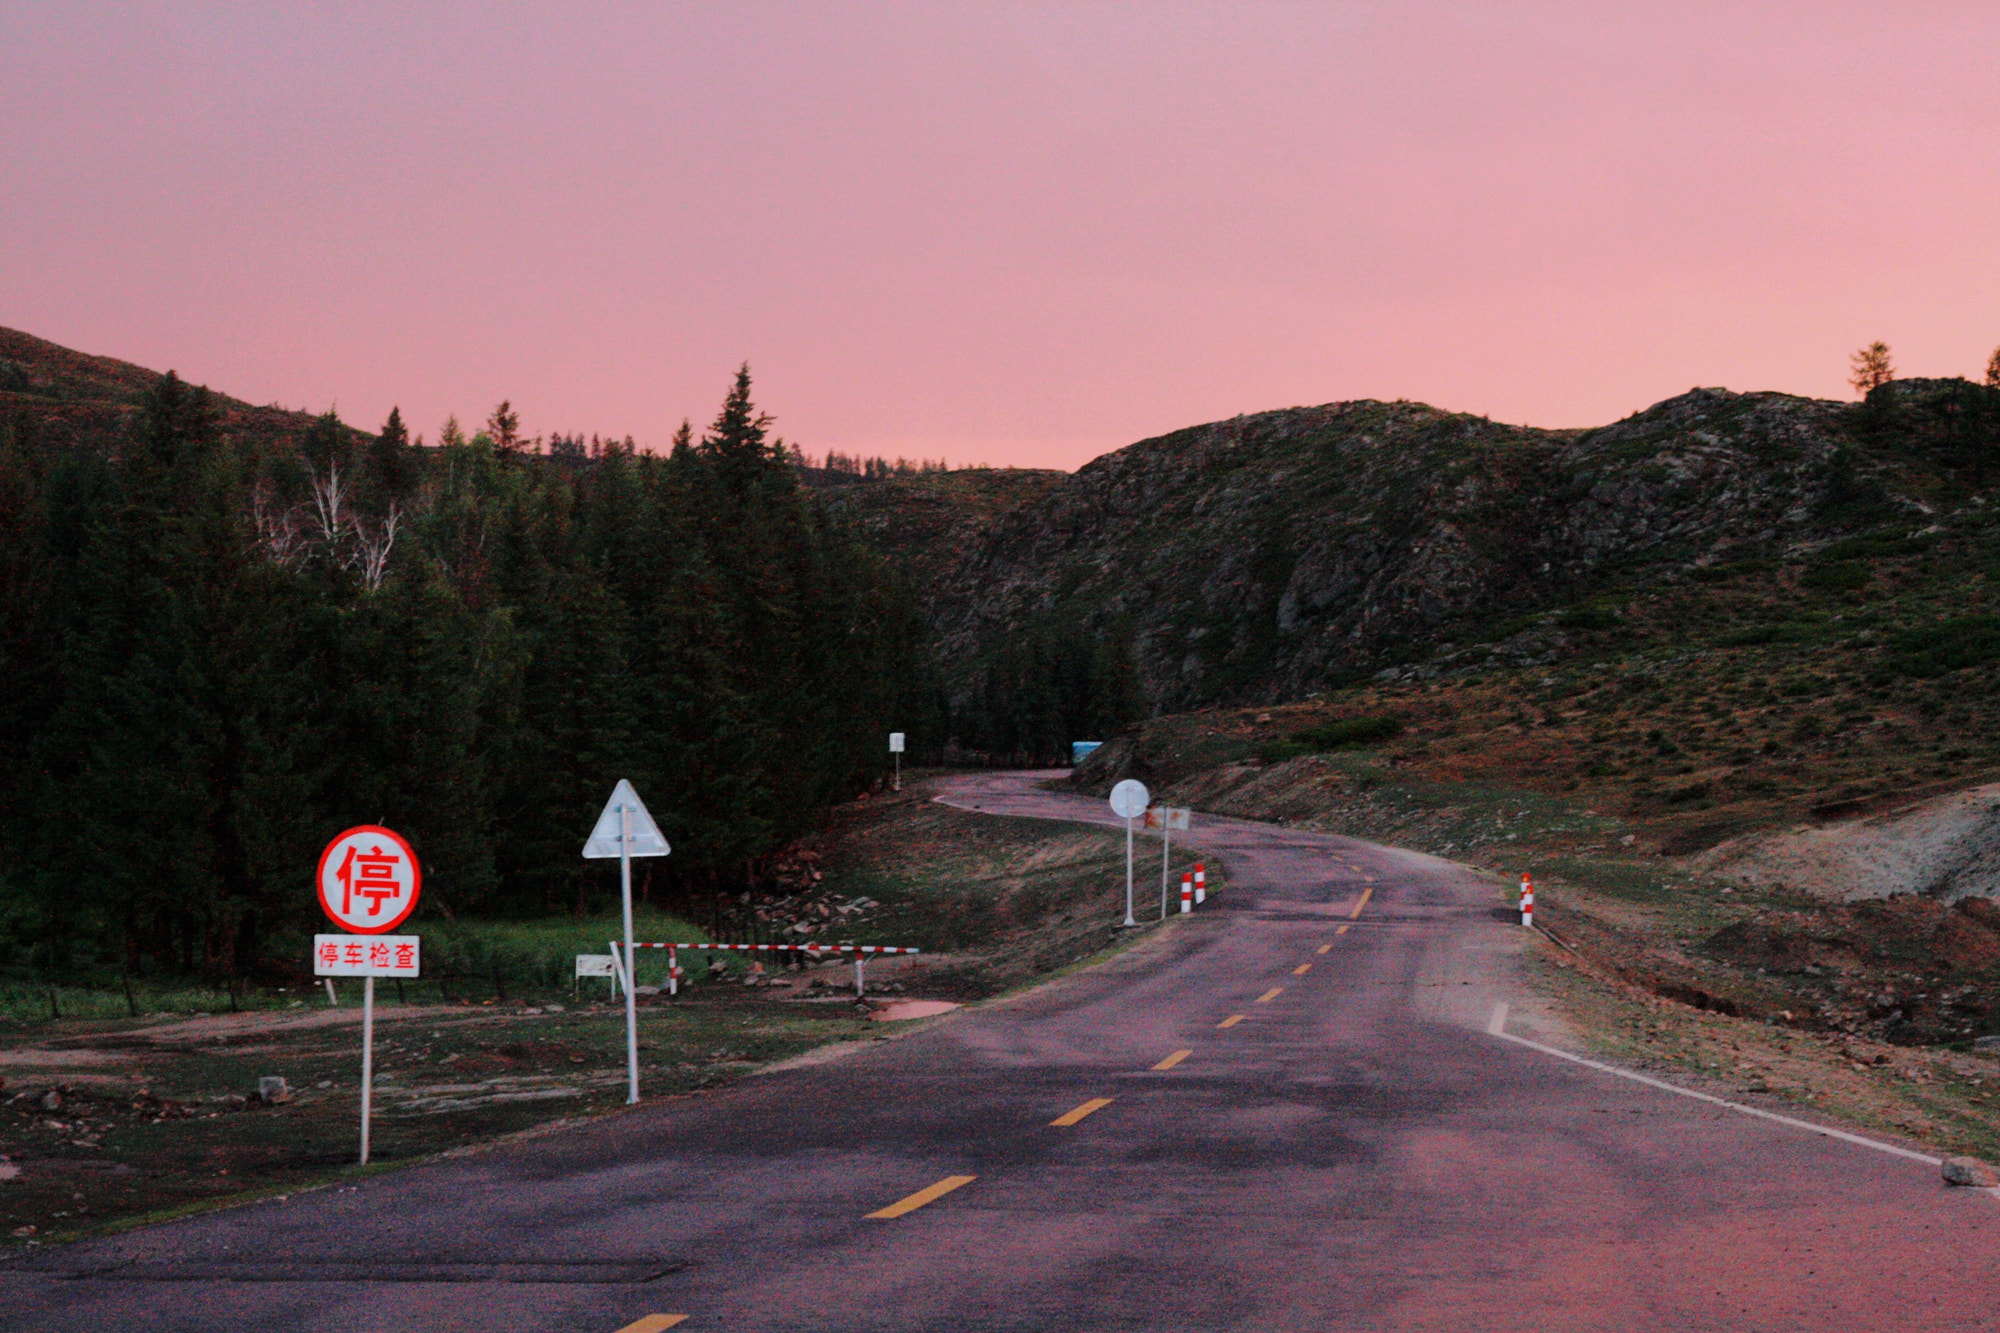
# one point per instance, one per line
(365, 955)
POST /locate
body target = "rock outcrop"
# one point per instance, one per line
(1273, 555)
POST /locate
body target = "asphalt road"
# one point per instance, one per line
(1356, 1151)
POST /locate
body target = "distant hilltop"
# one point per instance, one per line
(77, 400)
(1279, 554)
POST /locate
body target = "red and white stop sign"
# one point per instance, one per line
(369, 880)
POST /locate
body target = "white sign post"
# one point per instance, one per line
(1166, 818)
(625, 830)
(369, 881)
(1128, 801)
(896, 748)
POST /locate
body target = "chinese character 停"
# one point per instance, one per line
(372, 874)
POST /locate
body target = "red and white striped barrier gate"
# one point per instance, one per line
(860, 952)
(1187, 893)
(1200, 883)
(1527, 900)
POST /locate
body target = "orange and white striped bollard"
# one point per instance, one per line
(1527, 900)
(1187, 893)
(1200, 883)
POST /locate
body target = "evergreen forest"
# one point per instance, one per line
(218, 651)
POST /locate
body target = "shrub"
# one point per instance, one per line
(1588, 618)
(1762, 634)
(1837, 576)
(1335, 735)
(1876, 546)
(1348, 731)
(1948, 645)
(1277, 752)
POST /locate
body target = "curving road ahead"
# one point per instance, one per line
(1291, 1111)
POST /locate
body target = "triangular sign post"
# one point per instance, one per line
(625, 830)
(606, 840)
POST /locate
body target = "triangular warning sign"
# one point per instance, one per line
(647, 839)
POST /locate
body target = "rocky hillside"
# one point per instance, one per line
(1275, 555)
(926, 522)
(74, 400)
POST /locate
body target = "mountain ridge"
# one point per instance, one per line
(1276, 554)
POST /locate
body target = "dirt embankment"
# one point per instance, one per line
(1945, 848)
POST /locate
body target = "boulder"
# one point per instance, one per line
(1970, 1171)
(272, 1090)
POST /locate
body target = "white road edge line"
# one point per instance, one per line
(1497, 1024)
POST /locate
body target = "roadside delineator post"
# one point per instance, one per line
(1187, 893)
(1200, 883)
(1167, 818)
(1527, 900)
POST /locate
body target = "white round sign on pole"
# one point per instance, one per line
(1129, 799)
(369, 880)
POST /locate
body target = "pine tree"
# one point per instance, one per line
(329, 446)
(504, 427)
(1870, 368)
(389, 457)
(737, 441)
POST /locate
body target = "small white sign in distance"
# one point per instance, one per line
(647, 840)
(895, 742)
(596, 965)
(1168, 817)
(367, 956)
(1129, 799)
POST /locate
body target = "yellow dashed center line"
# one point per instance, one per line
(1172, 1060)
(929, 1194)
(1301, 969)
(1270, 995)
(1366, 894)
(653, 1323)
(1232, 1020)
(1069, 1118)
(1338, 930)
(1326, 947)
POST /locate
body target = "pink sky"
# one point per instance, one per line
(1008, 233)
